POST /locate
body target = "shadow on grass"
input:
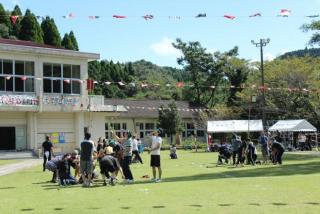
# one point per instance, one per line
(283, 170)
(8, 187)
(225, 205)
(125, 208)
(58, 208)
(195, 205)
(313, 203)
(158, 207)
(27, 209)
(279, 204)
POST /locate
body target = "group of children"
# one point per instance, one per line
(241, 151)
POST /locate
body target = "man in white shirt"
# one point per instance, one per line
(135, 150)
(155, 155)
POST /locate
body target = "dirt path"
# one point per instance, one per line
(14, 167)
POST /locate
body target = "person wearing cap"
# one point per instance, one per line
(126, 142)
(155, 155)
(108, 163)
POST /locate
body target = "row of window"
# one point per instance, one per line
(146, 128)
(18, 76)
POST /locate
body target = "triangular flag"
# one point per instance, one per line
(67, 81)
(24, 78)
(313, 16)
(285, 13)
(146, 17)
(69, 16)
(201, 15)
(143, 85)
(229, 17)
(132, 84)
(8, 77)
(94, 17)
(212, 87)
(107, 83)
(95, 82)
(255, 15)
(119, 17)
(121, 83)
(14, 19)
(168, 85)
(180, 84)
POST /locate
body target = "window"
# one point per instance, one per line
(61, 78)
(150, 126)
(116, 127)
(16, 76)
(146, 129)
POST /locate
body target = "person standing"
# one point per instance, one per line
(263, 140)
(47, 150)
(126, 142)
(86, 160)
(155, 155)
(135, 149)
(251, 153)
(235, 145)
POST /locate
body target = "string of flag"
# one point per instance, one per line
(281, 13)
(144, 85)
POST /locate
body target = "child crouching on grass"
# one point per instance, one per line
(173, 152)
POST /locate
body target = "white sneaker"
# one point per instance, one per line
(158, 180)
(130, 181)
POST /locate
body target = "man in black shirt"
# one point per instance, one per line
(277, 152)
(47, 150)
(86, 160)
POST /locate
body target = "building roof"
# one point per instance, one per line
(230, 126)
(293, 126)
(150, 108)
(35, 48)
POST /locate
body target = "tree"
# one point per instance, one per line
(74, 41)
(30, 28)
(203, 68)
(51, 35)
(66, 42)
(69, 41)
(313, 26)
(16, 26)
(4, 31)
(169, 120)
(4, 17)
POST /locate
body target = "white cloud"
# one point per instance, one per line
(164, 48)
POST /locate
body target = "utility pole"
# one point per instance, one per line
(261, 44)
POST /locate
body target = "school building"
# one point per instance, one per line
(43, 91)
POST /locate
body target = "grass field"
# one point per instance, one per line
(191, 184)
(4, 162)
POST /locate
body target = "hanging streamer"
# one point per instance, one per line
(229, 17)
(119, 17)
(255, 15)
(285, 13)
(201, 15)
(14, 19)
(146, 17)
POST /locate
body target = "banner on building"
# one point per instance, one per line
(18, 100)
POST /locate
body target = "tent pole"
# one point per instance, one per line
(317, 145)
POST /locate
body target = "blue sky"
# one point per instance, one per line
(134, 38)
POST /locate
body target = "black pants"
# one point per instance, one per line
(252, 158)
(137, 156)
(126, 167)
(241, 157)
(278, 157)
(234, 155)
(45, 159)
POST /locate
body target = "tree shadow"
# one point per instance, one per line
(58, 208)
(125, 208)
(282, 170)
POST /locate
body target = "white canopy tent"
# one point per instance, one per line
(229, 126)
(293, 126)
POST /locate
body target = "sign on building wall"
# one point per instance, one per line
(18, 100)
(60, 100)
(57, 137)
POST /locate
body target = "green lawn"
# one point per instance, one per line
(4, 162)
(191, 184)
